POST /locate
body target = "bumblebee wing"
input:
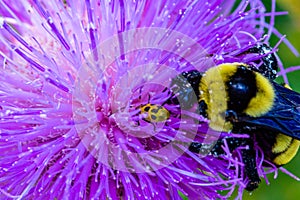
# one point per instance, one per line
(284, 116)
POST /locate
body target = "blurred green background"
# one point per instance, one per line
(284, 187)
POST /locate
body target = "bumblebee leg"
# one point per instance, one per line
(217, 149)
(248, 156)
(249, 160)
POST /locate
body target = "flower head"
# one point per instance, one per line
(75, 80)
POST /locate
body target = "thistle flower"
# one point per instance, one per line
(75, 76)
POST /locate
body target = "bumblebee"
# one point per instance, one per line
(237, 99)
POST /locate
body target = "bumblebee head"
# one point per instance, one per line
(234, 88)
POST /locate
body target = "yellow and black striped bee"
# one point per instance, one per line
(235, 98)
